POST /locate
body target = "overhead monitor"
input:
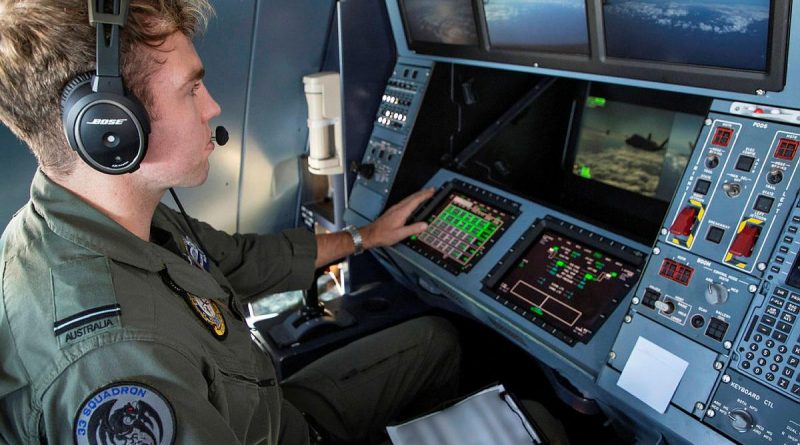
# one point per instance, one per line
(733, 34)
(449, 22)
(537, 25)
(636, 144)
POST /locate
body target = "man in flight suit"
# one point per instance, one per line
(115, 326)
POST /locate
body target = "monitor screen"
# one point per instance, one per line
(634, 147)
(565, 282)
(440, 21)
(731, 34)
(538, 25)
(462, 226)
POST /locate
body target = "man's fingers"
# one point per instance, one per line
(413, 229)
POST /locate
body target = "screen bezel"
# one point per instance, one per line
(531, 236)
(598, 62)
(511, 208)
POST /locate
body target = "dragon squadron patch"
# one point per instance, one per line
(125, 412)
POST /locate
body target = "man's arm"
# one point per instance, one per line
(388, 229)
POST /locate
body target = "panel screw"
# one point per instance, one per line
(727, 345)
(628, 319)
(710, 413)
(699, 406)
(612, 355)
(656, 250)
(664, 231)
(761, 266)
(726, 378)
(708, 122)
(718, 365)
(635, 300)
(760, 92)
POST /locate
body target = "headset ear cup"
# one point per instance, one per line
(71, 87)
(109, 131)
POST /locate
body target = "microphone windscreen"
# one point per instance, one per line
(221, 135)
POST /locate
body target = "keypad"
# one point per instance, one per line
(772, 356)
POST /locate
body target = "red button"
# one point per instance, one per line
(745, 240)
(684, 221)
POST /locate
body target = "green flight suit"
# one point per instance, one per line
(90, 314)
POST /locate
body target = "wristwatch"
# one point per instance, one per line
(358, 241)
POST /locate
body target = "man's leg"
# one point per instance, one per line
(355, 391)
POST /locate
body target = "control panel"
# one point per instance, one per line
(394, 120)
(721, 289)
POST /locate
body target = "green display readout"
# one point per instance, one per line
(459, 231)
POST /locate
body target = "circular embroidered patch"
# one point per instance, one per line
(125, 412)
(208, 311)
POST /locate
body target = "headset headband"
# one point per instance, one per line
(108, 25)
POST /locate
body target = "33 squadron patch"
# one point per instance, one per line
(125, 412)
(208, 311)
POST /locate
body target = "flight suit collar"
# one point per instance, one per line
(75, 220)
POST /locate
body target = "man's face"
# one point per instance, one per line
(180, 137)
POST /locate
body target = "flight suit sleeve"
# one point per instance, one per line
(132, 390)
(257, 264)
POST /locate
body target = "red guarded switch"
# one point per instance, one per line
(684, 221)
(745, 240)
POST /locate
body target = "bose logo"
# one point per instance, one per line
(106, 122)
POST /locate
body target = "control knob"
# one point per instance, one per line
(741, 420)
(775, 176)
(716, 294)
(366, 170)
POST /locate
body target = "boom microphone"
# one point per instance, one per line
(220, 135)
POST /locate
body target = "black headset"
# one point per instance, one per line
(103, 122)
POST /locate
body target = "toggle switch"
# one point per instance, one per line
(684, 221)
(745, 240)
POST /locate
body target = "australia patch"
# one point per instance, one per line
(125, 412)
(209, 313)
(195, 255)
(87, 323)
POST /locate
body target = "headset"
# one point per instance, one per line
(103, 122)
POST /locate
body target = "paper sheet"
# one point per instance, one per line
(652, 374)
(490, 416)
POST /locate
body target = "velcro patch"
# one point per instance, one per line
(125, 412)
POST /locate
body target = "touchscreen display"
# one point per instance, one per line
(571, 286)
(441, 21)
(462, 226)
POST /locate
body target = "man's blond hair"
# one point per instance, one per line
(45, 43)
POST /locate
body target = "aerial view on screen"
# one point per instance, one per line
(633, 147)
(539, 25)
(727, 34)
(441, 21)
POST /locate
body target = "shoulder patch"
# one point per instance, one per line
(125, 412)
(84, 300)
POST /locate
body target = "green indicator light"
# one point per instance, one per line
(597, 255)
(613, 275)
(560, 263)
(413, 237)
(588, 277)
(594, 101)
(521, 264)
(536, 310)
(556, 248)
(585, 172)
